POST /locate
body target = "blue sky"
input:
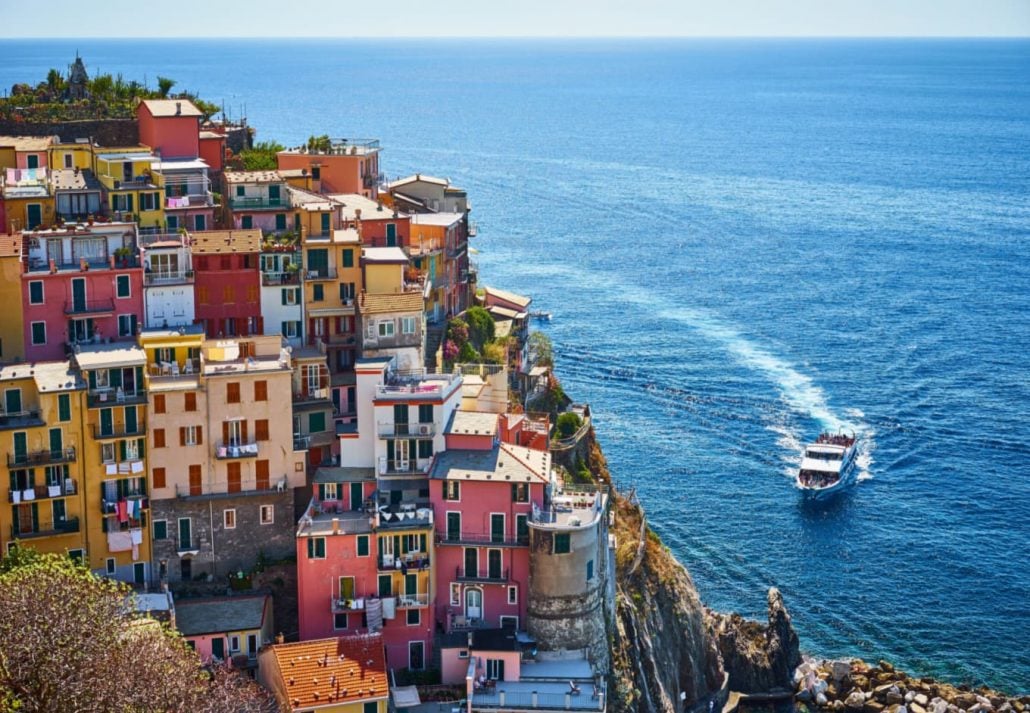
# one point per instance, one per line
(514, 18)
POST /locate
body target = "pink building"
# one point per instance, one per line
(483, 493)
(226, 628)
(337, 585)
(171, 127)
(81, 284)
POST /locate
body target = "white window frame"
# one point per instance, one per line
(271, 514)
(331, 491)
(110, 567)
(125, 325)
(191, 435)
(292, 328)
(407, 322)
(455, 594)
(42, 286)
(448, 487)
(423, 645)
(291, 296)
(131, 449)
(229, 519)
(234, 648)
(385, 328)
(513, 594)
(508, 616)
(32, 333)
(153, 526)
(418, 614)
(107, 453)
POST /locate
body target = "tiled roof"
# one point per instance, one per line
(419, 178)
(222, 614)
(506, 296)
(401, 302)
(504, 463)
(472, 423)
(27, 143)
(171, 107)
(341, 670)
(253, 177)
(212, 242)
(11, 245)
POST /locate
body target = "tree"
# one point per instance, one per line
(319, 143)
(261, 157)
(70, 642)
(495, 353)
(55, 83)
(468, 354)
(457, 331)
(481, 326)
(568, 423)
(164, 85)
(541, 352)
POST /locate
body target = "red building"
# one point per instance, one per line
(484, 494)
(344, 166)
(227, 282)
(171, 127)
(378, 225)
(82, 284)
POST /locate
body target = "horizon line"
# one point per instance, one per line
(522, 37)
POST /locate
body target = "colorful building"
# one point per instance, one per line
(428, 194)
(391, 309)
(132, 187)
(258, 199)
(12, 324)
(116, 487)
(227, 281)
(28, 152)
(168, 278)
(335, 675)
(281, 295)
(314, 428)
(83, 284)
(41, 429)
(171, 127)
(379, 226)
(77, 194)
(28, 202)
(347, 166)
(231, 629)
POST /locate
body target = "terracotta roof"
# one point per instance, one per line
(171, 107)
(11, 246)
(253, 177)
(27, 143)
(349, 669)
(399, 302)
(212, 242)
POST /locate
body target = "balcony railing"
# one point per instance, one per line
(110, 507)
(412, 601)
(245, 487)
(233, 450)
(399, 517)
(342, 606)
(44, 457)
(256, 202)
(398, 467)
(301, 443)
(20, 419)
(46, 528)
(43, 492)
(115, 397)
(326, 273)
(461, 575)
(193, 200)
(407, 430)
(320, 394)
(404, 563)
(271, 279)
(482, 539)
(167, 278)
(88, 306)
(119, 430)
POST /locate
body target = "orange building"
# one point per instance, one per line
(347, 166)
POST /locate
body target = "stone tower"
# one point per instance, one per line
(78, 80)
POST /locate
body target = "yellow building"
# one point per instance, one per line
(117, 495)
(134, 190)
(77, 154)
(332, 280)
(12, 320)
(41, 432)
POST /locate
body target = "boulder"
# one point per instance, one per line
(804, 695)
(872, 706)
(885, 666)
(839, 670)
(855, 701)
(965, 700)
(820, 699)
(894, 697)
(921, 699)
(916, 708)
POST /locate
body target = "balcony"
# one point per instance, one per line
(474, 539)
(406, 430)
(272, 279)
(46, 528)
(405, 516)
(45, 457)
(341, 339)
(152, 279)
(100, 398)
(257, 203)
(20, 419)
(325, 273)
(342, 606)
(119, 430)
(301, 443)
(404, 563)
(233, 450)
(246, 487)
(110, 507)
(193, 200)
(418, 384)
(496, 577)
(403, 467)
(43, 492)
(306, 395)
(412, 601)
(89, 307)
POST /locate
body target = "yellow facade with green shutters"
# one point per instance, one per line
(133, 190)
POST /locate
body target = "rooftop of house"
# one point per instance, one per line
(472, 423)
(109, 356)
(27, 143)
(337, 670)
(444, 220)
(343, 474)
(392, 255)
(232, 177)
(391, 303)
(208, 135)
(130, 153)
(340, 147)
(318, 521)
(472, 386)
(181, 164)
(171, 107)
(194, 617)
(503, 313)
(154, 602)
(187, 330)
(307, 200)
(344, 236)
(503, 463)
(506, 296)
(418, 178)
(50, 376)
(370, 209)
(68, 179)
(483, 640)
(226, 242)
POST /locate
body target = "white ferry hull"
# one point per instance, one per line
(848, 475)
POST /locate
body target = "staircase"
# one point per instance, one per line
(434, 338)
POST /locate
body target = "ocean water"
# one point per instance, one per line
(742, 243)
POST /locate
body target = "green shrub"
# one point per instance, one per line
(568, 423)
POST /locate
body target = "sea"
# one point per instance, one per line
(742, 243)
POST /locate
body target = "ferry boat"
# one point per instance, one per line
(828, 465)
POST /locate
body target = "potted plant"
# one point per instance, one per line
(121, 256)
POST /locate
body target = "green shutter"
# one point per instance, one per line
(64, 407)
(92, 380)
(311, 548)
(160, 530)
(116, 378)
(141, 447)
(321, 491)
(320, 548)
(362, 545)
(280, 221)
(121, 452)
(316, 422)
(422, 543)
(348, 257)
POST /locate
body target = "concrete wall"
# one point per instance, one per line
(106, 132)
(169, 305)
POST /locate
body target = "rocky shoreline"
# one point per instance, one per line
(853, 686)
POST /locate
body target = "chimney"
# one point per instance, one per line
(357, 214)
(336, 526)
(178, 108)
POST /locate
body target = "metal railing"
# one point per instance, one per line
(245, 486)
(412, 601)
(167, 278)
(319, 394)
(233, 450)
(476, 539)
(115, 397)
(46, 528)
(119, 430)
(44, 492)
(20, 419)
(328, 273)
(88, 306)
(256, 202)
(41, 457)
(404, 563)
(271, 279)
(461, 575)
(510, 700)
(406, 430)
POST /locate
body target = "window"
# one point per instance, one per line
(36, 292)
(425, 449)
(590, 570)
(261, 391)
(562, 544)
(370, 707)
(247, 222)
(189, 401)
(261, 429)
(513, 595)
(252, 647)
(127, 325)
(130, 450)
(425, 413)
(228, 294)
(339, 621)
(407, 325)
(110, 565)
(290, 329)
(232, 392)
(200, 222)
(201, 293)
(261, 481)
(522, 529)
(229, 519)
(520, 492)
(416, 655)
(451, 490)
(414, 617)
(159, 438)
(362, 545)
(328, 491)
(509, 622)
(346, 292)
(39, 332)
(317, 293)
(316, 548)
(190, 436)
(386, 328)
(64, 408)
(267, 514)
(290, 295)
(234, 644)
(463, 653)
(348, 257)
(234, 477)
(160, 529)
(123, 286)
(316, 422)
(76, 556)
(107, 452)
(495, 669)
(325, 223)
(185, 533)
(159, 403)
(158, 475)
(280, 221)
(240, 191)
(455, 594)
